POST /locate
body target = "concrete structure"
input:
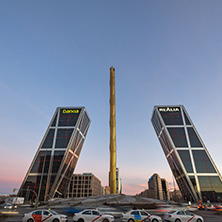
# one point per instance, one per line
(84, 185)
(112, 146)
(192, 166)
(57, 155)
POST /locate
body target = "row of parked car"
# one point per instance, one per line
(93, 215)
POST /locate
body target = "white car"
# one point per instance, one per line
(44, 215)
(182, 216)
(92, 216)
(139, 215)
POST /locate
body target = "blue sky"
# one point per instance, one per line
(58, 53)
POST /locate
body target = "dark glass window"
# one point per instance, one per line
(49, 139)
(166, 141)
(63, 137)
(87, 212)
(179, 176)
(178, 136)
(58, 156)
(54, 121)
(73, 144)
(144, 213)
(194, 140)
(211, 188)
(95, 213)
(185, 157)
(37, 212)
(30, 182)
(135, 212)
(67, 161)
(41, 161)
(165, 150)
(84, 123)
(63, 187)
(68, 117)
(171, 116)
(180, 213)
(193, 181)
(79, 147)
(188, 213)
(186, 119)
(45, 213)
(202, 162)
(156, 123)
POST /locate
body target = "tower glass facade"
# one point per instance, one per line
(192, 166)
(57, 155)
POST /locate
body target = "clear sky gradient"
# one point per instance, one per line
(58, 53)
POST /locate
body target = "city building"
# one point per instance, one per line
(176, 196)
(105, 190)
(56, 158)
(118, 182)
(165, 189)
(192, 166)
(158, 187)
(84, 185)
(144, 193)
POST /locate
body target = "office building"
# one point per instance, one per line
(158, 188)
(84, 185)
(192, 166)
(118, 182)
(165, 189)
(56, 158)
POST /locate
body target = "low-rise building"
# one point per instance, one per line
(84, 185)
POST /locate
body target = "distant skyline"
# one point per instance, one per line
(58, 53)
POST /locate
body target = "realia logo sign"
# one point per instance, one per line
(169, 109)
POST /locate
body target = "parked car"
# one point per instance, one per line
(44, 215)
(90, 215)
(142, 215)
(182, 216)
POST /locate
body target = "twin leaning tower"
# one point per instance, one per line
(54, 163)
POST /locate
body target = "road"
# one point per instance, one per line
(16, 215)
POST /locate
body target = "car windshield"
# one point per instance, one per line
(172, 211)
(53, 212)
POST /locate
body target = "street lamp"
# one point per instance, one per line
(36, 201)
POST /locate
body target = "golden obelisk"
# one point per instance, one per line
(112, 124)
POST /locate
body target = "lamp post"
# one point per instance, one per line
(36, 201)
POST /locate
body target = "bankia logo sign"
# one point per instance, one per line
(70, 111)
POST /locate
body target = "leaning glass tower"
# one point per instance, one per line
(192, 166)
(57, 155)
